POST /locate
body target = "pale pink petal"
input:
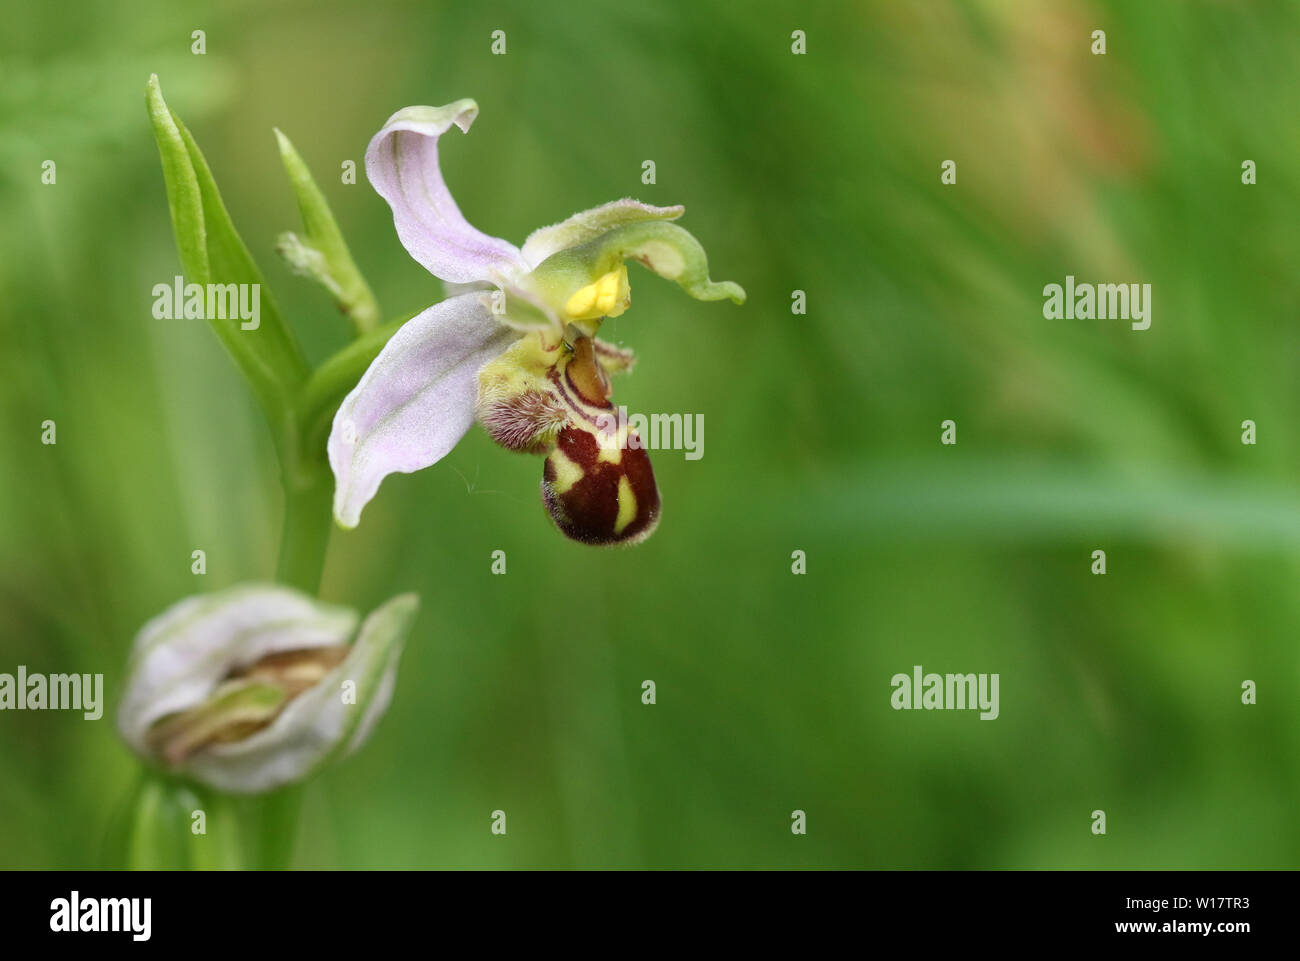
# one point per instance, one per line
(402, 164)
(416, 400)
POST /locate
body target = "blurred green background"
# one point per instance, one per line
(817, 172)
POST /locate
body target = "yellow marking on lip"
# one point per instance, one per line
(567, 472)
(610, 446)
(626, 505)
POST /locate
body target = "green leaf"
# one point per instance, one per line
(183, 195)
(324, 255)
(212, 252)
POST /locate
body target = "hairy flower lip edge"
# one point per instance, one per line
(313, 728)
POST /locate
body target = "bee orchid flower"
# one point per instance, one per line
(515, 347)
(257, 686)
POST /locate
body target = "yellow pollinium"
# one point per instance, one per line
(607, 297)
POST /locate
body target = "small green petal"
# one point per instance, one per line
(667, 249)
(589, 224)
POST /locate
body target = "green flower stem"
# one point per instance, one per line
(156, 829)
(299, 405)
(305, 530)
(272, 821)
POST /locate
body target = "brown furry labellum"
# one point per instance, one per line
(597, 483)
(596, 498)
